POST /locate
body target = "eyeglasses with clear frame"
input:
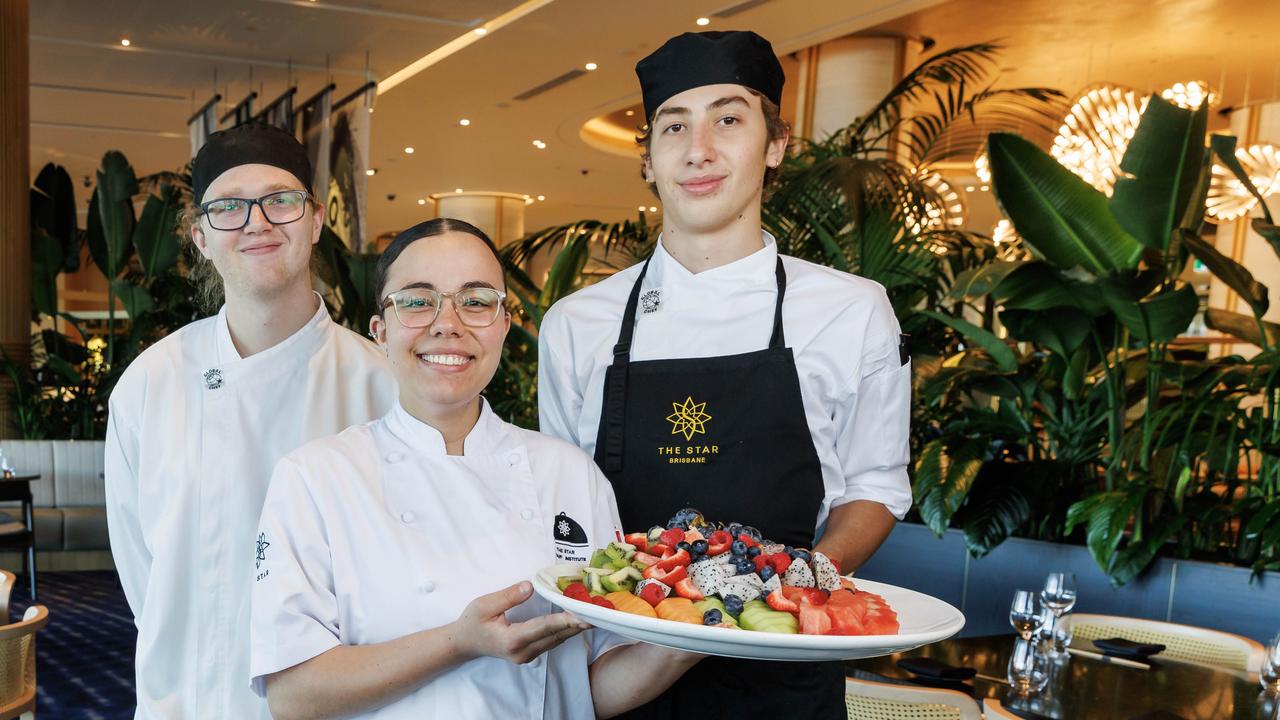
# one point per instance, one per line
(419, 307)
(279, 208)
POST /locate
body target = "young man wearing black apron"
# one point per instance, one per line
(722, 376)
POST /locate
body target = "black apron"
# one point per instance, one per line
(726, 435)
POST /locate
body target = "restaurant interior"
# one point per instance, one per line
(1071, 207)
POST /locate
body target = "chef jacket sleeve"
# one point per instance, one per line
(124, 528)
(559, 399)
(295, 611)
(873, 417)
(606, 526)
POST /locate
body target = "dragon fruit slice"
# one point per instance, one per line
(741, 587)
(773, 583)
(708, 576)
(825, 573)
(798, 574)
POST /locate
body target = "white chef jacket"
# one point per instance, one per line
(193, 433)
(840, 327)
(377, 533)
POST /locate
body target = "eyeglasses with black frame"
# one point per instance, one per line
(279, 208)
(419, 307)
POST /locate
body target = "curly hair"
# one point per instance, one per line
(200, 270)
(774, 124)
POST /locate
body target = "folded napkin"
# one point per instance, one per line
(936, 670)
(1119, 647)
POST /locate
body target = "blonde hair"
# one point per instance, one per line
(200, 270)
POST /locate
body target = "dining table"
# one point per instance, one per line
(1087, 687)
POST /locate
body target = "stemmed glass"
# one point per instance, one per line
(1023, 613)
(1269, 673)
(1059, 593)
(1055, 630)
(1027, 671)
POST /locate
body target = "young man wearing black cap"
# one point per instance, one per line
(198, 421)
(696, 385)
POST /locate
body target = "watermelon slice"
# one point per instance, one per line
(814, 620)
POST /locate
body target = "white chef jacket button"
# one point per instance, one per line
(394, 457)
(427, 586)
(527, 514)
(406, 517)
(513, 458)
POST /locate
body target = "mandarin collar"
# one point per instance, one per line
(758, 267)
(305, 340)
(487, 437)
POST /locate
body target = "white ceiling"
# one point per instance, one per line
(146, 92)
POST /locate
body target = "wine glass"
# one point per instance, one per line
(1055, 630)
(1059, 593)
(1269, 673)
(1027, 670)
(1024, 614)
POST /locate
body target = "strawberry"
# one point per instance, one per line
(645, 558)
(761, 561)
(778, 601)
(813, 596)
(685, 589)
(680, 557)
(577, 591)
(748, 540)
(640, 540)
(719, 542)
(780, 562)
(672, 537)
(659, 550)
(597, 600)
(666, 577)
(652, 594)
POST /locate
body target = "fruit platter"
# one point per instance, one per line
(727, 590)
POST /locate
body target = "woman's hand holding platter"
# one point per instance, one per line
(484, 630)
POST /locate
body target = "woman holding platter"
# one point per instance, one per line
(392, 558)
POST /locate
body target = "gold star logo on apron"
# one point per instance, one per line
(688, 418)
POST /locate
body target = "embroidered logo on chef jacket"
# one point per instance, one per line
(262, 555)
(212, 379)
(651, 300)
(570, 539)
(688, 418)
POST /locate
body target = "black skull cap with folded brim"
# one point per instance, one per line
(692, 60)
(248, 144)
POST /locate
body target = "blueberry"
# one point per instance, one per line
(753, 533)
(712, 617)
(804, 555)
(699, 547)
(673, 523)
(753, 551)
(734, 529)
(743, 565)
(767, 572)
(739, 548)
(733, 605)
(682, 545)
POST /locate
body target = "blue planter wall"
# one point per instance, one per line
(1194, 593)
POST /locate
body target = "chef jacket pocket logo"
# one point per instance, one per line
(212, 379)
(570, 539)
(262, 554)
(650, 301)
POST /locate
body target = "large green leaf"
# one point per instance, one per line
(981, 280)
(1058, 214)
(1040, 286)
(1162, 167)
(53, 209)
(156, 235)
(136, 300)
(1105, 516)
(1242, 326)
(46, 261)
(116, 187)
(995, 347)
(993, 515)
(943, 481)
(1061, 330)
(1159, 318)
(1231, 273)
(1130, 561)
(1224, 146)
